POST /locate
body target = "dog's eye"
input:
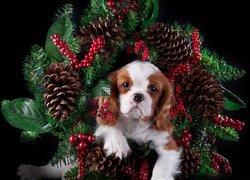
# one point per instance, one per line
(153, 89)
(125, 85)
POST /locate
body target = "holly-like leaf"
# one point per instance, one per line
(25, 114)
(102, 88)
(63, 26)
(232, 101)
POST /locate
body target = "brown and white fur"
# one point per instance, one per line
(141, 98)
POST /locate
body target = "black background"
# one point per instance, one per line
(26, 23)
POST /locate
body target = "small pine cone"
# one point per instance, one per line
(107, 28)
(201, 92)
(173, 49)
(63, 87)
(110, 166)
(191, 162)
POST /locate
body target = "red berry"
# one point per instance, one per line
(110, 3)
(73, 139)
(91, 138)
(125, 10)
(120, 17)
(82, 145)
(82, 136)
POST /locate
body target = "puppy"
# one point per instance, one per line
(141, 98)
(140, 101)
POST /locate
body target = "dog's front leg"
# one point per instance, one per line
(114, 141)
(167, 164)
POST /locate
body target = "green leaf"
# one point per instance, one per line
(25, 114)
(102, 88)
(63, 27)
(232, 102)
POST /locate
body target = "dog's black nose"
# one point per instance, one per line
(138, 97)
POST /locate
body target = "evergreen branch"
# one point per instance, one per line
(225, 133)
(153, 55)
(146, 6)
(71, 174)
(73, 44)
(95, 10)
(205, 167)
(185, 30)
(67, 9)
(29, 136)
(132, 22)
(34, 67)
(63, 154)
(219, 68)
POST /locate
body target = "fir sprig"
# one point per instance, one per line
(67, 9)
(219, 68)
(33, 69)
(225, 133)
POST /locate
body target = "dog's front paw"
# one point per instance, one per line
(28, 172)
(162, 178)
(118, 146)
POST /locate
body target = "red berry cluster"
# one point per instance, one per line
(185, 139)
(140, 46)
(179, 109)
(121, 7)
(82, 148)
(104, 113)
(218, 161)
(96, 46)
(229, 122)
(131, 172)
(144, 170)
(182, 68)
(196, 47)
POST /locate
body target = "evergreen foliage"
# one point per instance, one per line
(34, 119)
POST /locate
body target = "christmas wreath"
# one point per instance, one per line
(68, 73)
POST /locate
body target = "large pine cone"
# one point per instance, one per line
(63, 89)
(172, 48)
(201, 92)
(110, 166)
(108, 28)
(191, 162)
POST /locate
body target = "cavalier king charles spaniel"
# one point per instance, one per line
(140, 100)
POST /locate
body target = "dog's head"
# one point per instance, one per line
(140, 90)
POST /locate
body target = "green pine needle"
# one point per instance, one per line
(73, 44)
(146, 6)
(219, 68)
(67, 9)
(71, 174)
(34, 67)
(132, 22)
(64, 154)
(225, 133)
(29, 136)
(206, 167)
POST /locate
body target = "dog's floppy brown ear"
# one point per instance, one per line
(167, 100)
(114, 95)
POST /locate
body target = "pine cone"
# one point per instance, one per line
(108, 28)
(63, 88)
(173, 49)
(191, 162)
(110, 166)
(201, 92)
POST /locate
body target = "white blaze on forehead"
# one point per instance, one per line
(139, 70)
